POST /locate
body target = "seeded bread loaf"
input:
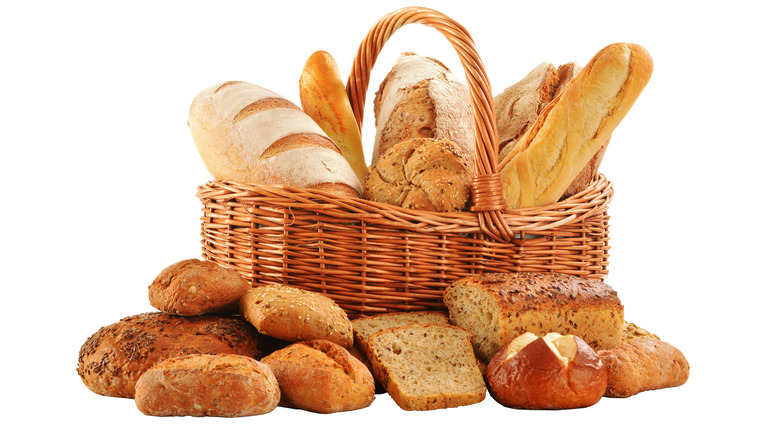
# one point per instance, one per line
(112, 359)
(496, 308)
(426, 366)
(198, 385)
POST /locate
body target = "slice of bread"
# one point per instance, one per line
(426, 366)
(367, 326)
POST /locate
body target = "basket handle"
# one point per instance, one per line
(488, 199)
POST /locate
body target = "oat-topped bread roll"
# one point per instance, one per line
(112, 359)
(420, 97)
(421, 174)
(496, 308)
(249, 134)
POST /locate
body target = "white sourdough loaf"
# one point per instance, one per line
(249, 134)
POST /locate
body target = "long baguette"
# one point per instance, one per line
(574, 126)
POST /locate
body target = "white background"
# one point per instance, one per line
(100, 174)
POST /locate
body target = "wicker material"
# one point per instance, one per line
(372, 257)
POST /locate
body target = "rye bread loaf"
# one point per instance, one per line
(206, 385)
(496, 308)
(426, 366)
(111, 360)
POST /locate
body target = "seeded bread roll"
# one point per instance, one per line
(293, 314)
(321, 376)
(198, 385)
(111, 360)
(249, 134)
(496, 308)
(195, 287)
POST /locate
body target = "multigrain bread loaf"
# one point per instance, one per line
(111, 360)
(293, 314)
(643, 362)
(198, 385)
(321, 376)
(426, 366)
(366, 326)
(195, 287)
(574, 126)
(421, 174)
(496, 308)
(249, 134)
(420, 97)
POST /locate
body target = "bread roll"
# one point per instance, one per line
(421, 174)
(249, 134)
(111, 360)
(496, 308)
(574, 126)
(293, 314)
(420, 98)
(195, 287)
(198, 385)
(321, 376)
(551, 372)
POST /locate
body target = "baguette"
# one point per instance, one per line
(249, 134)
(574, 126)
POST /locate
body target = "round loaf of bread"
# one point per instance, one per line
(321, 376)
(198, 385)
(195, 287)
(552, 372)
(421, 174)
(111, 360)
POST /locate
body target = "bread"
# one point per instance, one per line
(643, 362)
(111, 360)
(426, 366)
(222, 385)
(574, 126)
(249, 134)
(195, 287)
(498, 307)
(321, 376)
(293, 314)
(421, 174)
(420, 98)
(368, 325)
(550, 372)
(324, 98)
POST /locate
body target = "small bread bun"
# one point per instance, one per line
(552, 372)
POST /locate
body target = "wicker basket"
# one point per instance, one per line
(372, 257)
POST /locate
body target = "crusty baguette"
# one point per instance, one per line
(324, 99)
(574, 126)
(249, 134)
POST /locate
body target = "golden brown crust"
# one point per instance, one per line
(195, 287)
(293, 314)
(111, 360)
(321, 376)
(223, 385)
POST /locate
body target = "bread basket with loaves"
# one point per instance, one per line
(371, 257)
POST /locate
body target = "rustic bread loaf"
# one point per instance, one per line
(366, 326)
(293, 314)
(421, 174)
(249, 134)
(111, 360)
(550, 372)
(426, 366)
(195, 287)
(198, 385)
(321, 376)
(496, 308)
(574, 126)
(643, 362)
(420, 98)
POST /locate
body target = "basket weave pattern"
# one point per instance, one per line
(372, 257)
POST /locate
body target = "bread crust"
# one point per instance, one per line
(196, 287)
(111, 360)
(321, 376)
(222, 385)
